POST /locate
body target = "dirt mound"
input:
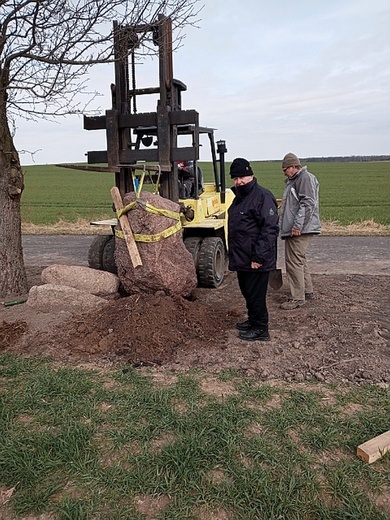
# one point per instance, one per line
(139, 329)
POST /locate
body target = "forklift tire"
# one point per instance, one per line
(108, 257)
(193, 246)
(211, 269)
(101, 248)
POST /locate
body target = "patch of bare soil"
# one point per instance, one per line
(341, 336)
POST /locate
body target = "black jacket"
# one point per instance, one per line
(253, 228)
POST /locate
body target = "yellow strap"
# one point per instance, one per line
(149, 208)
(138, 186)
(164, 212)
(153, 238)
(126, 209)
(141, 183)
(155, 211)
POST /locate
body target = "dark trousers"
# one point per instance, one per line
(253, 286)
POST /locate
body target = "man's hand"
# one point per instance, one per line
(295, 232)
(255, 265)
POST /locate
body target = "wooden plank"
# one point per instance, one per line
(141, 119)
(142, 91)
(132, 156)
(97, 157)
(94, 122)
(126, 228)
(184, 117)
(188, 153)
(375, 448)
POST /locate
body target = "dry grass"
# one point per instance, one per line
(368, 227)
(83, 227)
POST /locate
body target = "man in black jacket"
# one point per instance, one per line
(253, 231)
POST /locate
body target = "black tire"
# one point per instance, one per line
(212, 263)
(108, 257)
(96, 250)
(193, 246)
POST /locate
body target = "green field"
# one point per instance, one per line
(349, 192)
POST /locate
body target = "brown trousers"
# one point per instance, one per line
(297, 270)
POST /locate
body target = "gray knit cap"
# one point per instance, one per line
(290, 160)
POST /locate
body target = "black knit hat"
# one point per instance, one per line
(240, 168)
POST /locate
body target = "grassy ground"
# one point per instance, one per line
(350, 193)
(125, 444)
(128, 444)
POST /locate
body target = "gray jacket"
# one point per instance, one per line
(300, 205)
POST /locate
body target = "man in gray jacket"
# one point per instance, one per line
(299, 221)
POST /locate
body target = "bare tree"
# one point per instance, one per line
(46, 49)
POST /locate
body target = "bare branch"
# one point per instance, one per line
(48, 46)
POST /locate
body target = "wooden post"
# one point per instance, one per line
(126, 228)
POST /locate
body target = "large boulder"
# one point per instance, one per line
(82, 278)
(166, 264)
(49, 297)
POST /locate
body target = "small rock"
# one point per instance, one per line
(319, 376)
(265, 373)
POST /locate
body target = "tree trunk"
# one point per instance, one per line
(13, 279)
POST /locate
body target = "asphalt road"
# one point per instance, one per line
(328, 255)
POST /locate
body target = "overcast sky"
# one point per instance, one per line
(309, 76)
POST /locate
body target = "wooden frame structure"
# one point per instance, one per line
(130, 135)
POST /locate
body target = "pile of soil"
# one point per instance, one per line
(340, 336)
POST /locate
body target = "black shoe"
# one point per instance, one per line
(243, 325)
(255, 335)
(309, 296)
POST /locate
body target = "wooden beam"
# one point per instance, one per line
(112, 135)
(97, 157)
(184, 117)
(141, 119)
(375, 448)
(188, 153)
(132, 156)
(164, 138)
(94, 122)
(126, 228)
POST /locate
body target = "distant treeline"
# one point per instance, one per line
(348, 158)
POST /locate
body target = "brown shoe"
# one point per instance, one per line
(292, 304)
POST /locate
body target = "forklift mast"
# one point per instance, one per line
(150, 137)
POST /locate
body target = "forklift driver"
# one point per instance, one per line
(187, 179)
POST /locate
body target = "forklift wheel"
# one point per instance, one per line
(108, 257)
(211, 267)
(193, 246)
(101, 253)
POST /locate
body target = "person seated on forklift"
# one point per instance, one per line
(253, 227)
(187, 179)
